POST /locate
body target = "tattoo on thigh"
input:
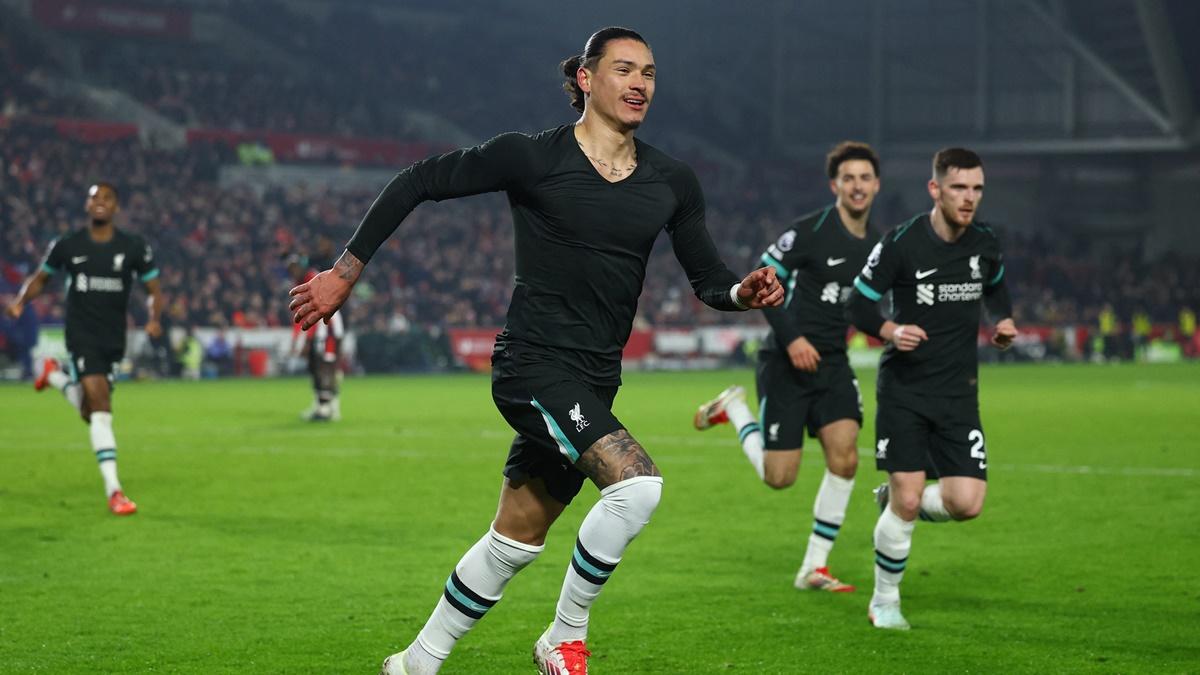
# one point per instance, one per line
(615, 458)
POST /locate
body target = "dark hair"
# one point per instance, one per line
(846, 151)
(110, 186)
(954, 158)
(592, 51)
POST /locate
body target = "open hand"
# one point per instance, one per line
(318, 299)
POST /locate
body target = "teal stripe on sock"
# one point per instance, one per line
(825, 530)
(106, 455)
(590, 568)
(471, 604)
(747, 430)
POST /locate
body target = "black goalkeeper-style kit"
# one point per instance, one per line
(99, 278)
(582, 244)
(928, 416)
(816, 259)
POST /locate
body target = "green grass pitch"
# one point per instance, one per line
(266, 545)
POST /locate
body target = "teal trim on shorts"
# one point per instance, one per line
(48, 269)
(564, 445)
(866, 290)
(150, 276)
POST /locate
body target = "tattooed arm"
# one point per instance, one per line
(615, 458)
(323, 295)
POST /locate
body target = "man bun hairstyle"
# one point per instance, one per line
(954, 158)
(846, 151)
(592, 52)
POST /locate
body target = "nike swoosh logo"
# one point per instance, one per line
(921, 274)
(834, 262)
(983, 465)
(78, 259)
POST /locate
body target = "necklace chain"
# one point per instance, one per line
(614, 171)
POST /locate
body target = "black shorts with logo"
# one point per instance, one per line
(85, 359)
(790, 400)
(557, 416)
(940, 435)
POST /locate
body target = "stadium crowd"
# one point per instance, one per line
(450, 265)
(222, 248)
(324, 89)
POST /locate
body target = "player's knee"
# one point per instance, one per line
(844, 463)
(907, 505)
(633, 500)
(779, 479)
(964, 509)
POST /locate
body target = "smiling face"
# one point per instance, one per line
(101, 204)
(620, 87)
(957, 194)
(855, 186)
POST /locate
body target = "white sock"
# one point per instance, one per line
(893, 540)
(104, 443)
(749, 433)
(623, 510)
(829, 512)
(58, 379)
(74, 394)
(933, 509)
(473, 588)
(417, 661)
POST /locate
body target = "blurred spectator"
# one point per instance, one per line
(1187, 331)
(218, 354)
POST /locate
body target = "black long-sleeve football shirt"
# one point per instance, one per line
(582, 243)
(941, 287)
(816, 259)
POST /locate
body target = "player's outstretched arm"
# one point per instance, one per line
(154, 303)
(1006, 332)
(760, 289)
(998, 302)
(29, 290)
(324, 294)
